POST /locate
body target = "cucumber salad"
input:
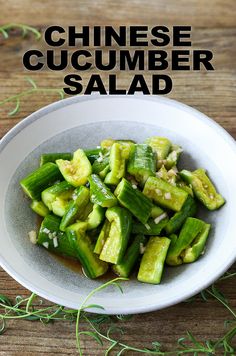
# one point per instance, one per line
(123, 206)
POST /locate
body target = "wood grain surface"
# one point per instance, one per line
(213, 93)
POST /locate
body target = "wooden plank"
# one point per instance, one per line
(214, 13)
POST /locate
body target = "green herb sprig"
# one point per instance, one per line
(102, 327)
(25, 30)
(16, 99)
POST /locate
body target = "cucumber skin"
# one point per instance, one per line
(103, 235)
(176, 221)
(155, 229)
(40, 179)
(52, 223)
(39, 208)
(125, 267)
(134, 200)
(52, 157)
(152, 263)
(83, 248)
(92, 154)
(100, 194)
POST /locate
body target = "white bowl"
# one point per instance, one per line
(83, 122)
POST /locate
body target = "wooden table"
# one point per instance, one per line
(211, 92)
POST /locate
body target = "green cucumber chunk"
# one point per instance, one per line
(161, 146)
(176, 221)
(128, 262)
(39, 208)
(156, 211)
(93, 154)
(116, 243)
(40, 179)
(151, 228)
(197, 247)
(203, 188)
(104, 233)
(134, 200)
(152, 263)
(117, 162)
(53, 239)
(190, 230)
(57, 197)
(75, 207)
(100, 194)
(52, 157)
(81, 243)
(142, 162)
(76, 171)
(96, 217)
(165, 194)
(173, 157)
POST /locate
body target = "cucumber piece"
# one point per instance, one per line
(117, 164)
(77, 205)
(93, 154)
(142, 162)
(127, 264)
(100, 194)
(107, 143)
(173, 156)
(183, 185)
(104, 233)
(190, 230)
(52, 157)
(197, 247)
(156, 211)
(83, 247)
(104, 172)
(152, 263)
(37, 181)
(117, 240)
(84, 213)
(53, 239)
(76, 171)
(165, 194)
(203, 188)
(39, 208)
(100, 164)
(96, 217)
(161, 146)
(176, 221)
(57, 197)
(134, 200)
(151, 228)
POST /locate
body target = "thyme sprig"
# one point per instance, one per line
(34, 88)
(25, 30)
(102, 328)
